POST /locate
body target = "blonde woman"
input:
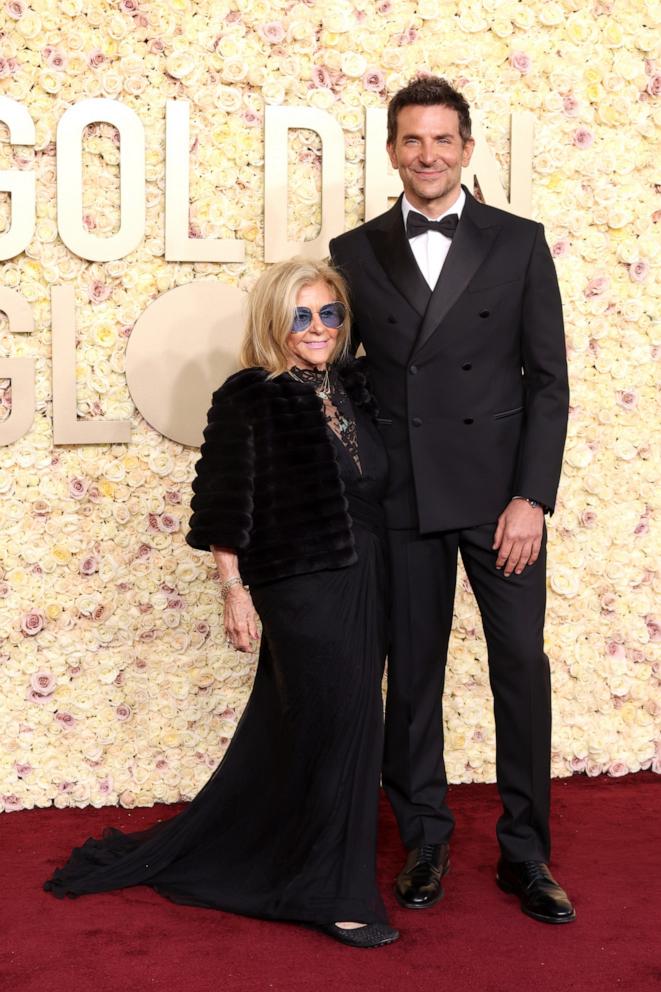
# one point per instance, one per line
(287, 499)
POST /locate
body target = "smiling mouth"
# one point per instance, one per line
(315, 344)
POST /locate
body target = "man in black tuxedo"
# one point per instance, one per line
(458, 309)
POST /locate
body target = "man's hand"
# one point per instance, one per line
(518, 536)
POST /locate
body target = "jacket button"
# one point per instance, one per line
(468, 420)
(413, 369)
(416, 422)
(467, 366)
(485, 313)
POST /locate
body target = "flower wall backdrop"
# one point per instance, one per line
(115, 682)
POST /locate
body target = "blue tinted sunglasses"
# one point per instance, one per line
(330, 315)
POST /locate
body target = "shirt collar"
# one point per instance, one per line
(456, 207)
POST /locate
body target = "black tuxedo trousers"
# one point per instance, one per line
(424, 570)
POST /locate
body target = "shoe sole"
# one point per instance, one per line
(511, 891)
(362, 947)
(422, 905)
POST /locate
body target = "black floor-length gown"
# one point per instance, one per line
(285, 828)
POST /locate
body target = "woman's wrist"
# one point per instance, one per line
(233, 582)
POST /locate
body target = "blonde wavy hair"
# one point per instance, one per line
(271, 305)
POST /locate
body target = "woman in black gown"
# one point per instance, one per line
(287, 498)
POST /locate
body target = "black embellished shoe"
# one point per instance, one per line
(540, 895)
(418, 884)
(371, 935)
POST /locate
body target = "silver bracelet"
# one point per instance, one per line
(227, 584)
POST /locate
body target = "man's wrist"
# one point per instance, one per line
(533, 502)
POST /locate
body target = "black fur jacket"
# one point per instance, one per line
(268, 483)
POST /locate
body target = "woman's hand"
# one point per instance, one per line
(240, 619)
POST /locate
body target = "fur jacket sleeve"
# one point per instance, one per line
(268, 483)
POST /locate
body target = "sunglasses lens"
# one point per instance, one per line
(332, 315)
(302, 319)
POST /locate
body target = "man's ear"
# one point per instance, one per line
(390, 148)
(467, 152)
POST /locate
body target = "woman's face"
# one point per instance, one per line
(313, 347)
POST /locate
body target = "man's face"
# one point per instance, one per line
(429, 154)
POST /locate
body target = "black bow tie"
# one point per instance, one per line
(417, 224)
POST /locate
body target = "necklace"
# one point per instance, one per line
(319, 379)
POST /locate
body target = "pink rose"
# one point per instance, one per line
(583, 138)
(95, 58)
(578, 764)
(608, 602)
(15, 9)
(35, 697)
(654, 84)
(384, 7)
(89, 565)
(521, 62)
(168, 524)
(617, 768)
(161, 764)
(374, 80)
(570, 104)
(653, 628)
(57, 59)
(638, 271)
(615, 650)
(41, 508)
(560, 248)
(173, 497)
(22, 769)
(100, 613)
(176, 603)
(123, 712)
(321, 77)
(156, 46)
(627, 399)
(98, 291)
(33, 622)
(642, 527)
(143, 553)
(78, 487)
(597, 286)
(593, 768)
(12, 803)
(202, 628)
(407, 37)
(251, 118)
(106, 785)
(43, 683)
(129, 7)
(7, 67)
(65, 719)
(272, 31)
(588, 518)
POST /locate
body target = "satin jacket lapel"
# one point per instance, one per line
(468, 250)
(392, 249)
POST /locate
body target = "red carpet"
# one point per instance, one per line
(606, 853)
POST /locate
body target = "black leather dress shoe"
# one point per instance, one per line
(541, 896)
(371, 935)
(418, 884)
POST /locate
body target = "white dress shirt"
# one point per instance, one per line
(430, 249)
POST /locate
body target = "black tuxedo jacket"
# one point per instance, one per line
(470, 379)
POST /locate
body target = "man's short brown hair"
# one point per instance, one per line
(429, 91)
